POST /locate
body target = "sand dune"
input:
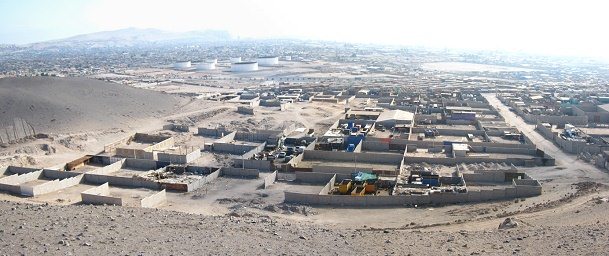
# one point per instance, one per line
(54, 105)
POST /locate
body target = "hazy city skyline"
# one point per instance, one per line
(544, 27)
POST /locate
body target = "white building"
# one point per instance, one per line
(460, 149)
(391, 118)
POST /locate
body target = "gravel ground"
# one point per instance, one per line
(81, 229)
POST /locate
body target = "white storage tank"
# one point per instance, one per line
(268, 61)
(235, 60)
(215, 61)
(288, 58)
(206, 66)
(247, 66)
(182, 65)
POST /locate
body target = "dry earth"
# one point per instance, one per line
(80, 229)
(59, 105)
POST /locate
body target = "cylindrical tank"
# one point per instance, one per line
(206, 66)
(288, 58)
(215, 61)
(235, 60)
(244, 66)
(182, 65)
(268, 61)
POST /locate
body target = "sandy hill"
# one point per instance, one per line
(54, 105)
(132, 36)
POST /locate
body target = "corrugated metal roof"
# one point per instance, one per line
(395, 115)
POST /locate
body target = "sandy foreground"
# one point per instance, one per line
(81, 229)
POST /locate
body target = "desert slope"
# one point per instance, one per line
(54, 105)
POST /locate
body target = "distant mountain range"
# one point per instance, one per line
(131, 36)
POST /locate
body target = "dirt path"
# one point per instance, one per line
(568, 161)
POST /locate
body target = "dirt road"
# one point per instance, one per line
(568, 161)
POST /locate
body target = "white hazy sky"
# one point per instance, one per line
(537, 26)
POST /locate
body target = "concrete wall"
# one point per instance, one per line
(154, 200)
(559, 120)
(257, 136)
(134, 153)
(450, 132)
(12, 183)
(21, 170)
(142, 164)
(340, 169)
(453, 161)
(53, 174)
(165, 144)
(399, 200)
(521, 151)
(367, 157)
(527, 187)
(207, 179)
(253, 151)
(121, 181)
(374, 146)
(212, 132)
(545, 132)
(261, 165)
(108, 169)
(227, 138)
(239, 172)
(296, 160)
(100, 195)
(400, 144)
(51, 186)
(313, 177)
(270, 180)
(328, 187)
(179, 158)
(522, 188)
(16, 179)
(231, 148)
(108, 148)
(490, 176)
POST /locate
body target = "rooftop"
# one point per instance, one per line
(394, 115)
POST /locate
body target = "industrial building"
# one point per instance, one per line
(206, 66)
(182, 65)
(247, 66)
(268, 61)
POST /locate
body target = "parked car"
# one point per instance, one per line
(287, 159)
(281, 155)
